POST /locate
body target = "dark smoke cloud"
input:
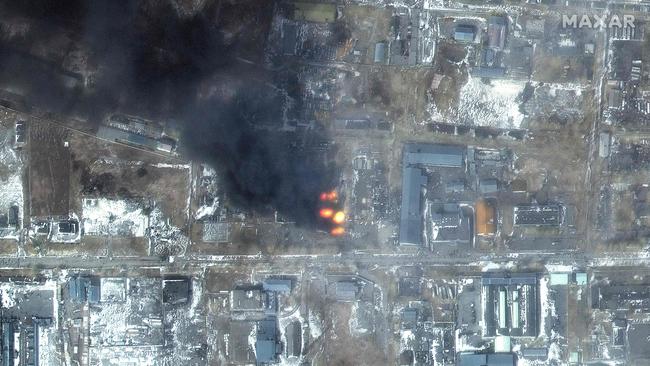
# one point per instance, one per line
(264, 170)
(154, 63)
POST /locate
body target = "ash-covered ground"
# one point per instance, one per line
(203, 69)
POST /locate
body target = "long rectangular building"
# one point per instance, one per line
(510, 305)
(538, 215)
(417, 156)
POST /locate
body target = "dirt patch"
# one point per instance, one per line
(49, 170)
(8, 247)
(104, 169)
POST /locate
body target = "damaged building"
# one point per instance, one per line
(510, 305)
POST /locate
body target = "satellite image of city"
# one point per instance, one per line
(324, 182)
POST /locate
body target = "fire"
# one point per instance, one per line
(339, 217)
(330, 211)
(326, 213)
(338, 231)
(329, 196)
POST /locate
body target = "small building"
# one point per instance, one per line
(84, 288)
(380, 53)
(166, 144)
(113, 289)
(559, 279)
(450, 222)
(293, 335)
(488, 185)
(411, 220)
(518, 185)
(489, 72)
(465, 33)
(128, 137)
(68, 226)
(538, 215)
(7, 342)
(13, 217)
(346, 291)
(537, 354)
(21, 134)
(277, 285)
(267, 346)
(246, 300)
(409, 318)
(614, 98)
(485, 217)
(176, 290)
(604, 141)
(289, 39)
(497, 32)
(502, 344)
(443, 156)
(486, 359)
(581, 278)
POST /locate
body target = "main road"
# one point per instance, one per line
(571, 258)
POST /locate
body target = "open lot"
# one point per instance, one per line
(49, 170)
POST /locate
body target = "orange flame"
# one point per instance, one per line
(338, 231)
(326, 213)
(339, 217)
(329, 196)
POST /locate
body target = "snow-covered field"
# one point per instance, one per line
(493, 105)
(105, 217)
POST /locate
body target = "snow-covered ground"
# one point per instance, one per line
(11, 183)
(315, 326)
(492, 105)
(164, 237)
(547, 308)
(105, 217)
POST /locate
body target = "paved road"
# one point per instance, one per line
(362, 259)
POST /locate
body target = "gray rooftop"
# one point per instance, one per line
(450, 223)
(434, 155)
(246, 300)
(464, 33)
(535, 353)
(266, 345)
(411, 213)
(500, 279)
(277, 285)
(416, 156)
(538, 215)
(380, 52)
(346, 291)
(488, 185)
(486, 359)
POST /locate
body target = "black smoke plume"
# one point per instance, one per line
(153, 62)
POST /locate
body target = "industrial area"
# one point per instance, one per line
(363, 182)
